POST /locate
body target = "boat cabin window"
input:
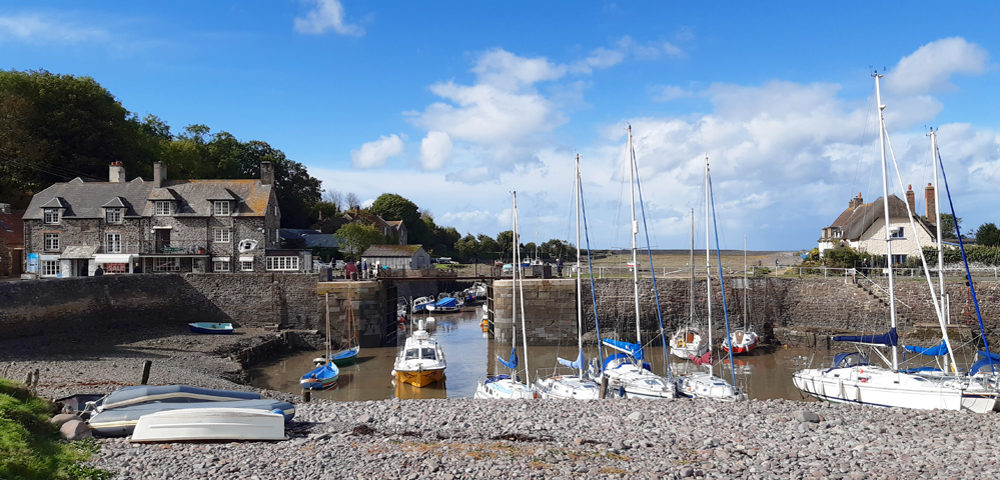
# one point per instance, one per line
(428, 354)
(412, 354)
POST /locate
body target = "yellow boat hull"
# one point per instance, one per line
(420, 378)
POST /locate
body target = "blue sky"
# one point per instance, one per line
(454, 104)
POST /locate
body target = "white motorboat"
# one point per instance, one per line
(188, 424)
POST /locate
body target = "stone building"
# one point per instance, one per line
(862, 226)
(397, 257)
(162, 225)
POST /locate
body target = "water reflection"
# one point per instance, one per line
(471, 356)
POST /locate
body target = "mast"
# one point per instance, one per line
(579, 289)
(937, 222)
(745, 285)
(885, 212)
(635, 231)
(513, 277)
(520, 290)
(691, 301)
(708, 262)
(326, 303)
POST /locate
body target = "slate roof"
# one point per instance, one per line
(194, 197)
(86, 199)
(392, 250)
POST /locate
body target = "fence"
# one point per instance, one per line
(786, 271)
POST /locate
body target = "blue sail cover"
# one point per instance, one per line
(890, 338)
(935, 351)
(512, 363)
(446, 302)
(987, 359)
(577, 364)
(633, 349)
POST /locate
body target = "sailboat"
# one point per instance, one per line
(853, 379)
(742, 340)
(626, 371)
(576, 386)
(349, 355)
(324, 376)
(510, 386)
(689, 341)
(706, 384)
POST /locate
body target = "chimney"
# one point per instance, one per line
(159, 174)
(266, 173)
(116, 172)
(911, 200)
(929, 202)
(855, 202)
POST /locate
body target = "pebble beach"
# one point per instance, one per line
(467, 438)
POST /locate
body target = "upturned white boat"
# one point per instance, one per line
(509, 386)
(209, 424)
(421, 361)
(852, 379)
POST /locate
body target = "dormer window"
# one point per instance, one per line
(220, 208)
(898, 233)
(52, 216)
(163, 207)
(113, 215)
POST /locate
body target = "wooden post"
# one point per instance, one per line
(145, 371)
(306, 396)
(604, 386)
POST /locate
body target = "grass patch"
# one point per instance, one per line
(30, 446)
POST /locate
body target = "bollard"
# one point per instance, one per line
(306, 396)
(145, 371)
(604, 386)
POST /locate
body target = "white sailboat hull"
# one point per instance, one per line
(688, 342)
(877, 386)
(209, 424)
(632, 381)
(503, 389)
(567, 387)
(706, 385)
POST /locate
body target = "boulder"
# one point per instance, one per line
(74, 430)
(62, 418)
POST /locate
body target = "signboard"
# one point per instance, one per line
(32, 263)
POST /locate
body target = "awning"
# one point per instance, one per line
(102, 258)
(48, 257)
(79, 252)
(168, 227)
(220, 259)
(246, 259)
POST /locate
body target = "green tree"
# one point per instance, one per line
(987, 235)
(355, 238)
(948, 225)
(467, 247)
(391, 206)
(555, 249)
(842, 257)
(504, 241)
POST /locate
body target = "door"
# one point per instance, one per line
(162, 239)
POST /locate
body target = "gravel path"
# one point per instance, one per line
(466, 438)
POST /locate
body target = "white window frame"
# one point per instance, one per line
(51, 216)
(898, 233)
(246, 266)
(48, 268)
(282, 263)
(112, 242)
(163, 208)
(221, 208)
(114, 215)
(220, 266)
(222, 235)
(51, 242)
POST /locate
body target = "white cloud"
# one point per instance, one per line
(42, 29)
(375, 154)
(435, 150)
(506, 71)
(930, 68)
(483, 113)
(327, 14)
(666, 93)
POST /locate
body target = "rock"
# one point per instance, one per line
(635, 417)
(62, 418)
(74, 430)
(807, 416)
(686, 472)
(365, 419)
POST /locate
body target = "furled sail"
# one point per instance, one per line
(577, 364)
(633, 349)
(935, 351)
(890, 338)
(512, 362)
(985, 359)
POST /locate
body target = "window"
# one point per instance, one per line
(52, 216)
(898, 259)
(220, 207)
(282, 263)
(113, 215)
(222, 235)
(49, 268)
(163, 207)
(113, 243)
(51, 242)
(166, 265)
(246, 266)
(897, 233)
(115, 268)
(220, 265)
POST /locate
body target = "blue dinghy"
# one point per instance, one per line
(210, 327)
(321, 377)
